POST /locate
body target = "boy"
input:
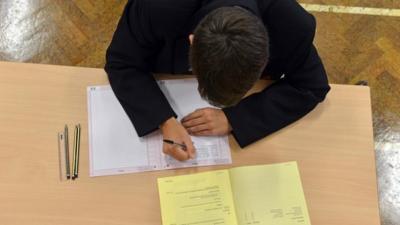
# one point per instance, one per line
(228, 45)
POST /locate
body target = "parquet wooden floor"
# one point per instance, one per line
(353, 47)
(62, 32)
(362, 3)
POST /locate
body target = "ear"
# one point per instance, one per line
(191, 36)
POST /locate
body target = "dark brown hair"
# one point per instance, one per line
(228, 54)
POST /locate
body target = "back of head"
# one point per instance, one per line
(228, 54)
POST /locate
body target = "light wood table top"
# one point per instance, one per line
(333, 146)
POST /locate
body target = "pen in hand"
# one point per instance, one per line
(183, 146)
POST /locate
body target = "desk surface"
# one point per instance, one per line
(333, 146)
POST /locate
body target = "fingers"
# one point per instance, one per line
(191, 151)
(204, 133)
(197, 113)
(193, 115)
(199, 128)
(207, 122)
(176, 152)
(180, 153)
(194, 122)
(173, 130)
(199, 121)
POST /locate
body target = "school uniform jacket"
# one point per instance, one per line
(152, 37)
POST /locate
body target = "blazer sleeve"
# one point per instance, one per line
(304, 85)
(129, 69)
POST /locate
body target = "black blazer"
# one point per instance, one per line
(152, 37)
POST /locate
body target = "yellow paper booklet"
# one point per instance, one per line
(263, 194)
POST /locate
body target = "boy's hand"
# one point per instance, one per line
(172, 130)
(207, 122)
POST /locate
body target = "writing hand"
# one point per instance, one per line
(172, 130)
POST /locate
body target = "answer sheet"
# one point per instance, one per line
(115, 148)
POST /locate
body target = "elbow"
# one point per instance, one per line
(115, 60)
(320, 93)
(110, 60)
(115, 65)
(113, 70)
(108, 68)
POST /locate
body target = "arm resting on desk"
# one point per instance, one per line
(128, 70)
(284, 102)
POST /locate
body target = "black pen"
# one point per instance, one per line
(183, 146)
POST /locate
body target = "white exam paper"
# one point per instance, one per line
(115, 147)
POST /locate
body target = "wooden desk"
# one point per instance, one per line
(333, 146)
